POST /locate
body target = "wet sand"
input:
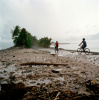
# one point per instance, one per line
(80, 68)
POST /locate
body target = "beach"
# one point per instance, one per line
(79, 69)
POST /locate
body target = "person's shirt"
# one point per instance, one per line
(84, 43)
(56, 44)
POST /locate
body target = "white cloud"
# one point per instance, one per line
(4, 43)
(58, 19)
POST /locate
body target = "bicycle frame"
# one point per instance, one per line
(80, 50)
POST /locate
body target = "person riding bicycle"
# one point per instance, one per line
(84, 44)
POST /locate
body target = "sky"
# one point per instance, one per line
(61, 20)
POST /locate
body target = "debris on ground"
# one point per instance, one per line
(19, 91)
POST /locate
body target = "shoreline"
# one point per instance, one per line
(94, 53)
(91, 57)
(35, 47)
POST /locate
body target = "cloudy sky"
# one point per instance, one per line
(60, 20)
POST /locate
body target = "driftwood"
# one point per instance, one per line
(38, 63)
(56, 98)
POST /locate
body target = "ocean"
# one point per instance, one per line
(93, 45)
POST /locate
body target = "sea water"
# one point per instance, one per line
(93, 45)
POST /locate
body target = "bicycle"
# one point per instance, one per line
(86, 50)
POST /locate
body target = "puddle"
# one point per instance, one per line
(10, 68)
(58, 69)
(59, 79)
(4, 71)
(94, 59)
(5, 76)
(37, 82)
(33, 66)
(20, 72)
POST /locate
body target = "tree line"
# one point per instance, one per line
(21, 37)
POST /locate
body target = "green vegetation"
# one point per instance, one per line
(44, 42)
(21, 37)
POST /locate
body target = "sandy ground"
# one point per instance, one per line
(80, 68)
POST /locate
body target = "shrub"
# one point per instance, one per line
(44, 42)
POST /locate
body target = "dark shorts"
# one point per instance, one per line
(56, 48)
(83, 46)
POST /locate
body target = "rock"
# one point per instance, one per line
(67, 66)
(12, 91)
(77, 87)
(56, 70)
(53, 54)
(38, 83)
(1, 78)
(93, 82)
(31, 75)
(12, 77)
(4, 71)
(82, 71)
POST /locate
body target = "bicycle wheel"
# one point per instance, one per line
(87, 51)
(79, 50)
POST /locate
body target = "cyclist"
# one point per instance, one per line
(84, 44)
